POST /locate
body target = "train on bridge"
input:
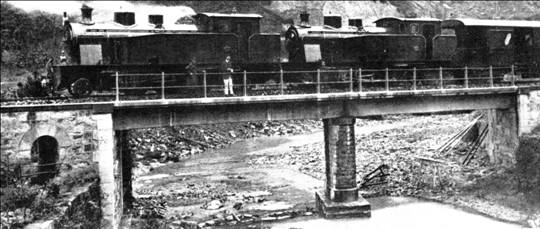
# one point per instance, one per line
(167, 43)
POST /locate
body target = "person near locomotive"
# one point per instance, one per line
(192, 71)
(226, 69)
(63, 58)
(47, 82)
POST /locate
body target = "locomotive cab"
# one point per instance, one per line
(252, 46)
(437, 42)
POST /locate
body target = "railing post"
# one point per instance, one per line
(490, 76)
(162, 85)
(466, 77)
(441, 78)
(414, 78)
(245, 83)
(513, 69)
(387, 79)
(360, 79)
(513, 77)
(318, 81)
(351, 78)
(117, 88)
(281, 85)
(204, 83)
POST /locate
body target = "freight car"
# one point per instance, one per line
(496, 43)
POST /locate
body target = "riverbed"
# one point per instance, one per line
(228, 187)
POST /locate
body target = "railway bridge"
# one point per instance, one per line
(512, 111)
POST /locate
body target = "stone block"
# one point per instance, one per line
(331, 209)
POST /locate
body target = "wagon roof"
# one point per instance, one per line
(408, 19)
(490, 23)
(231, 15)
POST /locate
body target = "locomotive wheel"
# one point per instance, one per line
(80, 88)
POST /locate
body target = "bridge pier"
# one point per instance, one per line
(340, 197)
(502, 136)
(110, 171)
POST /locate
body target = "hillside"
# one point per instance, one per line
(517, 10)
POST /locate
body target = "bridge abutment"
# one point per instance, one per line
(528, 111)
(110, 171)
(506, 125)
(340, 197)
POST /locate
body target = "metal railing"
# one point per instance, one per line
(164, 85)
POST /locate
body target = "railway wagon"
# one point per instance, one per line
(497, 43)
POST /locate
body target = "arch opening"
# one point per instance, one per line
(45, 151)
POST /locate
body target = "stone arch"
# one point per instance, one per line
(44, 129)
(45, 150)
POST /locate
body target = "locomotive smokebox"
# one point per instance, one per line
(86, 12)
(304, 19)
(332, 20)
(357, 22)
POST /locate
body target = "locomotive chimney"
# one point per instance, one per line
(86, 12)
(304, 19)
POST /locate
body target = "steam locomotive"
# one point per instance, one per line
(167, 44)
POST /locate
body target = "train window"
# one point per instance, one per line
(224, 27)
(507, 39)
(499, 38)
(313, 53)
(414, 28)
(476, 37)
(402, 28)
(90, 54)
(447, 31)
(528, 40)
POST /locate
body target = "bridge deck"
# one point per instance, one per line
(122, 105)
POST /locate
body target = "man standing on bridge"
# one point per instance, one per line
(226, 68)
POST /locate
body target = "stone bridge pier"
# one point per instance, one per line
(340, 197)
(115, 166)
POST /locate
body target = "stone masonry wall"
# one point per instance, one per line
(75, 132)
(529, 111)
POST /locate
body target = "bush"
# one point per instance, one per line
(77, 176)
(43, 207)
(17, 196)
(28, 38)
(85, 211)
